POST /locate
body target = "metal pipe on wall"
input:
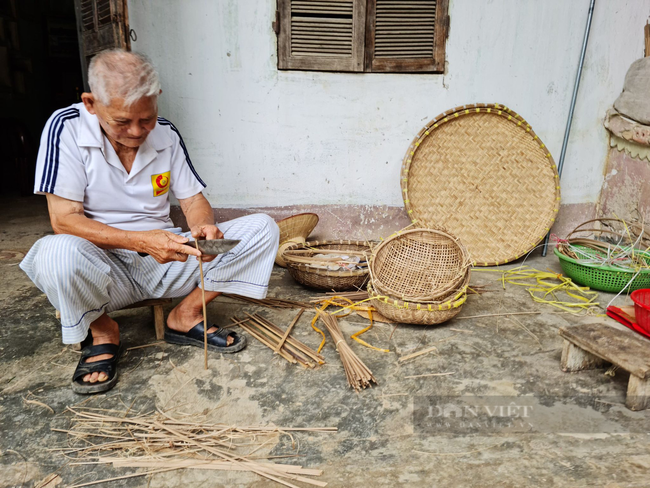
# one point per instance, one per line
(573, 103)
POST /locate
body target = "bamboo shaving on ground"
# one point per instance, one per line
(157, 441)
(358, 374)
(429, 374)
(29, 401)
(550, 289)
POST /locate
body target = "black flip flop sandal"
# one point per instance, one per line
(217, 341)
(108, 366)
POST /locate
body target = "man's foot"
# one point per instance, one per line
(189, 313)
(222, 340)
(97, 368)
(104, 331)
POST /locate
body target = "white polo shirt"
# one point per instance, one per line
(76, 161)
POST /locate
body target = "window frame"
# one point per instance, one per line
(413, 65)
(363, 45)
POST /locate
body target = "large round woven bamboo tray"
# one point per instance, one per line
(294, 230)
(480, 172)
(323, 279)
(418, 313)
(419, 265)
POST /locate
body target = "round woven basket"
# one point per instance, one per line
(418, 313)
(294, 230)
(480, 172)
(420, 265)
(323, 279)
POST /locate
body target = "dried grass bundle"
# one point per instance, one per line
(358, 374)
(162, 443)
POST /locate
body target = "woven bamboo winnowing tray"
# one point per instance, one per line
(294, 229)
(419, 265)
(480, 172)
(324, 279)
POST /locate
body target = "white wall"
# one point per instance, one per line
(260, 137)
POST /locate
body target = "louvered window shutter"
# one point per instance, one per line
(407, 35)
(102, 24)
(324, 35)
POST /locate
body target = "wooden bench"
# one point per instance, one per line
(156, 305)
(593, 344)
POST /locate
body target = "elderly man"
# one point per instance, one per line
(107, 167)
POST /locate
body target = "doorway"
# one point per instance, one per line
(45, 47)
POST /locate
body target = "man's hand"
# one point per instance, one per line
(166, 246)
(206, 232)
(68, 217)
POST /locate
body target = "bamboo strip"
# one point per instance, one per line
(269, 302)
(354, 296)
(416, 354)
(205, 313)
(288, 331)
(199, 464)
(314, 260)
(430, 374)
(338, 252)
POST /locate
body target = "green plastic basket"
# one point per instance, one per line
(604, 278)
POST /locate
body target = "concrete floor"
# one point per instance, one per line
(573, 443)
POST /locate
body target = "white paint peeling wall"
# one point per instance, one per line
(261, 137)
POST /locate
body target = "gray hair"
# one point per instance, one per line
(122, 74)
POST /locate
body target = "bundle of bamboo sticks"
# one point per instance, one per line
(281, 342)
(358, 374)
(162, 443)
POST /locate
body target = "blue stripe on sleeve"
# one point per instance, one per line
(47, 164)
(55, 166)
(163, 121)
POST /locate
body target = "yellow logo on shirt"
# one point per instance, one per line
(160, 183)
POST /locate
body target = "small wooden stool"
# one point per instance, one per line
(592, 344)
(156, 305)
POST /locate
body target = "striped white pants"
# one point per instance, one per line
(83, 281)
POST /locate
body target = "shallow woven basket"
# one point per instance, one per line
(323, 279)
(480, 172)
(418, 313)
(419, 265)
(293, 230)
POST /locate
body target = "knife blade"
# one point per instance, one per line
(213, 247)
(209, 247)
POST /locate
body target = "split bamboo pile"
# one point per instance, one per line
(158, 442)
(357, 373)
(280, 341)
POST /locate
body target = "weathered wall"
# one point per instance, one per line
(626, 193)
(264, 138)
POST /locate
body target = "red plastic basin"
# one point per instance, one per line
(641, 299)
